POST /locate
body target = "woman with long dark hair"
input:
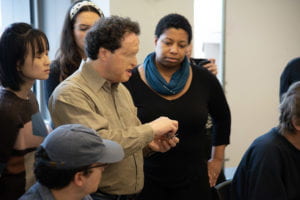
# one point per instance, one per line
(80, 17)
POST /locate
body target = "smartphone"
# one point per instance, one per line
(199, 61)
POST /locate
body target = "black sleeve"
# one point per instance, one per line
(220, 113)
(290, 74)
(284, 81)
(53, 80)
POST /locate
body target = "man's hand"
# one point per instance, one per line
(163, 126)
(163, 144)
(164, 134)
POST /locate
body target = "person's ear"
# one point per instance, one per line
(79, 179)
(155, 40)
(18, 67)
(296, 124)
(103, 53)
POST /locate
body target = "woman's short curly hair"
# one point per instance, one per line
(173, 21)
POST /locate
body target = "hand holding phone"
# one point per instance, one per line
(199, 61)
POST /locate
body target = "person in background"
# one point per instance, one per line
(166, 84)
(80, 17)
(270, 167)
(209, 64)
(23, 59)
(290, 74)
(70, 162)
(93, 96)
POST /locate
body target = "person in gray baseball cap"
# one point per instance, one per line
(69, 163)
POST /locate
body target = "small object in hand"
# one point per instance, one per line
(199, 61)
(170, 136)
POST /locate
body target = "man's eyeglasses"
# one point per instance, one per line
(98, 165)
(86, 169)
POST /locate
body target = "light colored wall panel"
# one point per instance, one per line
(261, 37)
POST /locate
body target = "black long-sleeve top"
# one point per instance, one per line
(204, 96)
(270, 169)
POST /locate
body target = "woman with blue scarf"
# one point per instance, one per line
(167, 84)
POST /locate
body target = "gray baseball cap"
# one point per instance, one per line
(73, 146)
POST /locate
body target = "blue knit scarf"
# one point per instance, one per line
(158, 83)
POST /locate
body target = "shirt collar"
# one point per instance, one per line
(44, 192)
(93, 79)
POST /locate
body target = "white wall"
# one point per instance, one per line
(52, 15)
(13, 11)
(261, 37)
(148, 13)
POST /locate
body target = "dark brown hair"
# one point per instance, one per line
(15, 43)
(69, 55)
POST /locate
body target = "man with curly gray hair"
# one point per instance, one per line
(93, 96)
(270, 169)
